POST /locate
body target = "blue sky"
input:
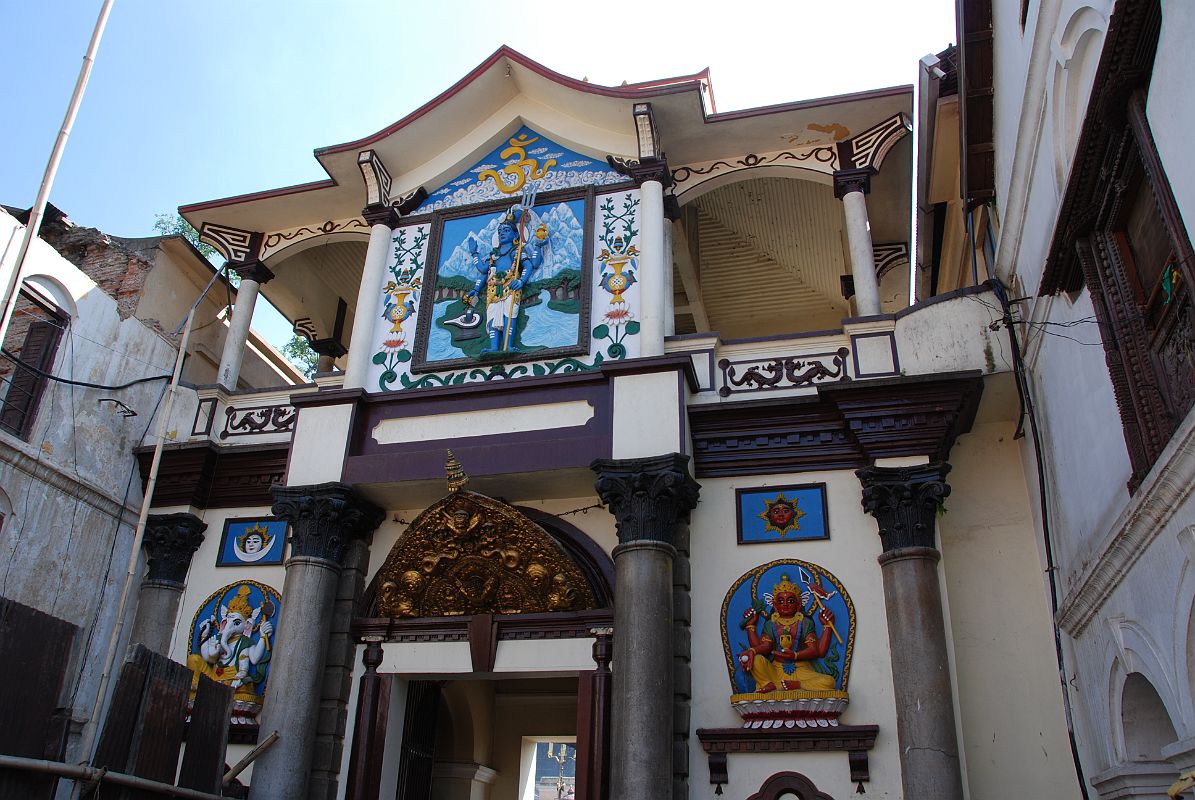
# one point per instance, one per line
(192, 101)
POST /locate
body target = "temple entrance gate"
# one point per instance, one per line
(487, 639)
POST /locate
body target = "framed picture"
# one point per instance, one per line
(507, 281)
(251, 541)
(782, 513)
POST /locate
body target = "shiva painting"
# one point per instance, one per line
(788, 631)
(507, 282)
(782, 513)
(231, 635)
(251, 541)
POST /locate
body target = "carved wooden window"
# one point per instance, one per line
(1137, 264)
(30, 345)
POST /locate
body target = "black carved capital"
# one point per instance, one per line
(170, 542)
(905, 502)
(647, 169)
(324, 518)
(380, 214)
(253, 271)
(853, 180)
(647, 496)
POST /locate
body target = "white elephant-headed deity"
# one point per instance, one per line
(230, 643)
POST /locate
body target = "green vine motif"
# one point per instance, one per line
(614, 334)
(390, 359)
(403, 251)
(611, 219)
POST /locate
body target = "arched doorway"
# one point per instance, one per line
(481, 623)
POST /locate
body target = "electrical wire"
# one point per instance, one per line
(11, 357)
(1029, 413)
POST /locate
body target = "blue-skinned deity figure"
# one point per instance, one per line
(504, 272)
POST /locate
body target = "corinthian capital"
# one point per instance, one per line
(905, 502)
(170, 542)
(647, 496)
(324, 518)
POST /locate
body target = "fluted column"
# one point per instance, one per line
(382, 219)
(905, 503)
(253, 275)
(648, 497)
(851, 186)
(170, 542)
(323, 519)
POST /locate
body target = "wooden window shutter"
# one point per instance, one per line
(26, 386)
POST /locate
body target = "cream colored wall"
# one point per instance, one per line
(850, 554)
(205, 577)
(518, 716)
(1009, 698)
(318, 447)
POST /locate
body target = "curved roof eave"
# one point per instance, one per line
(635, 91)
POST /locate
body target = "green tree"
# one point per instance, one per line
(175, 225)
(299, 352)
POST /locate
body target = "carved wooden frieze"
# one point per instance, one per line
(471, 554)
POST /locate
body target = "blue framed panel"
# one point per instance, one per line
(782, 513)
(251, 541)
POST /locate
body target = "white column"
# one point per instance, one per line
(669, 289)
(852, 192)
(238, 333)
(652, 265)
(368, 305)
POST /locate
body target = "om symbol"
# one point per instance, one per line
(518, 147)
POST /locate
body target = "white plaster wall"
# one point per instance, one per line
(318, 447)
(1144, 626)
(953, 335)
(850, 554)
(1006, 676)
(1170, 108)
(63, 548)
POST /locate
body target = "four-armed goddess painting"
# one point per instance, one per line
(788, 633)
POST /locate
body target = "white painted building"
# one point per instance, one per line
(1087, 110)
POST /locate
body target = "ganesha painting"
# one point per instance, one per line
(231, 644)
(788, 632)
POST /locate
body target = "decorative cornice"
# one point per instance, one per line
(207, 475)
(1126, 64)
(888, 255)
(855, 740)
(647, 169)
(868, 149)
(410, 202)
(647, 496)
(847, 425)
(324, 518)
(905, 502)
(170, 542)
(381, 215)
(377, 178)
(1165, 492)
(253, 271)
(853, 180)
(234, 244)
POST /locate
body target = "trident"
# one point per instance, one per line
(817, 597)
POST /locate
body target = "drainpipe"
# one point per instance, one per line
(929, 78)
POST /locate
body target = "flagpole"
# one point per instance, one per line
(43, 193)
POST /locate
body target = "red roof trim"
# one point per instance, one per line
(838, 99)
(631, 91)
(297, 188)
